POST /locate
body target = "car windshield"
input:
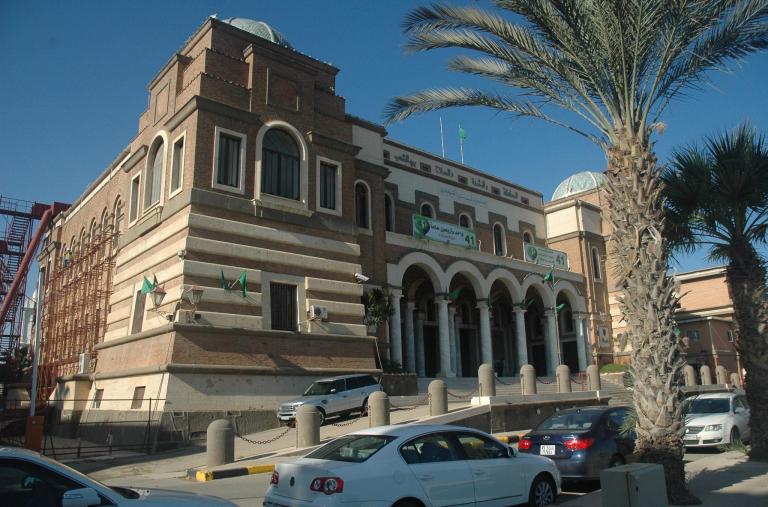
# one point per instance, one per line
(319, 389)
(352, 448)
(124, 492)
(575, 421)
(707, 406)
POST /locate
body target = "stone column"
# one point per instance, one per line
(589, 349)
(395, 329)
(444, 338)
(420, 370)
(581, 347)
(457, 336)
(553, 358)
(520, 338)
(486, 351)
(410, 343)
(452, 337)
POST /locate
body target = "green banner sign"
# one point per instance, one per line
(546, 256)
(443, 232)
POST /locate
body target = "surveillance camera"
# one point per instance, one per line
(361, 278)
(181, 254)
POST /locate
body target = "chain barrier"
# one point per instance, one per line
(267, 441)
(351, 421)
(577, 380)
(544, 381)
(419, 403)
(462, 396)
(498, 379)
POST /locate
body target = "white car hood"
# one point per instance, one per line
(705, 419)
(168, 498)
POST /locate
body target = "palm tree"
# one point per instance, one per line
(717, 197)
(615, 64)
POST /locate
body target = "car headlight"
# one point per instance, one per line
(713, 427)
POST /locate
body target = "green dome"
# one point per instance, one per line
(259, 29)
(579, 182)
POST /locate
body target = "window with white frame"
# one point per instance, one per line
(177, 165)
(230, 160)
(328, 185)
(362, 218)
(427, 210)
(527, 237)
(389, 213)
(499, 241)
(283, 306)
(153, 180)
(465, 221)
(595, 263)
(133, 212)
(280, 168)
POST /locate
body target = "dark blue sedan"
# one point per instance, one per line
(582, 441)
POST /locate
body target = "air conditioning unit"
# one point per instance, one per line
(317, 312)
(85, 363)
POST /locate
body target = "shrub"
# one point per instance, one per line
(613, 368)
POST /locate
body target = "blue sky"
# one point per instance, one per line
(73, 78)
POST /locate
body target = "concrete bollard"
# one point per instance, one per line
(690, 375)
(220, 443)
(486, 377)
(706, 376)
(438, 397)
(528, 379)
(563, 376)
(735, 380)
(721, 374)
(593, 378)
(378, 409)
(307, 426)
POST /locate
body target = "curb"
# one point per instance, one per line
(212, 475)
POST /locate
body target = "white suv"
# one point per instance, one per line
(333, 396)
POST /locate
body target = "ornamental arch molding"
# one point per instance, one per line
(537, 282)
(508, 279)
(395, 272)
(574, 298)
(473, 275)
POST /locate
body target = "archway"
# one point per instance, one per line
(420, 320)
(566, 330)
(502, 330)
(535, 330)
(466, 343)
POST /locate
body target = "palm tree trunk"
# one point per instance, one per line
(648, 304)
(746, 282)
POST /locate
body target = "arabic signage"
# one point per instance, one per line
(443, 232)
(545, 256)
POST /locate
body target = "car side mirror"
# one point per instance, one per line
(82, 497)
(739, 410)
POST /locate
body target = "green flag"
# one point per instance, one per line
(550, 277)
(154, 280)
(462, 134)
(223, 281)
(242, 281)
(147, 287)
(455, 294)
(560, 307)
(677, 332)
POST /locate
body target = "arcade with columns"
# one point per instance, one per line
(448, 321)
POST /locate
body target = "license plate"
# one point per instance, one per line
(547, 450)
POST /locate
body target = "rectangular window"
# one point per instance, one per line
(463, 180)
(138, 312)
(495, 190)
(98, 395)
(133, 213)
(525, 200)
(730, 335)
(328, 176)
(386, 155)
(693, 335)
(229, 160)
(283, 306)
(177, 166)
(138, 397)
(425, 167)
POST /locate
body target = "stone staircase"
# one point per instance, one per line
(612, 385)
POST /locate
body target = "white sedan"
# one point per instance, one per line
(28, 479)
(716, 419)
(414, 466)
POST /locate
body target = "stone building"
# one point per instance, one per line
(237, 232)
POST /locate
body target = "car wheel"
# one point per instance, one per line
(542, 492)
(616, 461)
(735, 435)
(408, 503)
(322, 416)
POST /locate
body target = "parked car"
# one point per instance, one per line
(582, 441)
(414, 465)
(333, 396)
(715, 419)
(30, 479)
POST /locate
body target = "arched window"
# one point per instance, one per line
(527, 237)
(280, 173)
(595, 264)
(389, 213)
(427, 210)
(154, 179)
(117, 217)
(499, 244)
(465, 221)
(361, 205)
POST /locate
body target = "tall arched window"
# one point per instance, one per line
(427, 211)
(154, 179)
(280, 165)
(527, 237)
(117, 217)
(595, 264)
(498, 240)
(361, 205)
(389, 213)
(465, 221)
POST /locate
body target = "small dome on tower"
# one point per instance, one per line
(259, 29)
(579, 182)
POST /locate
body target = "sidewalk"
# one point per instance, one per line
(724, 480)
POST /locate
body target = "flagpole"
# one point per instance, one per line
(461, 144)
(442, 142)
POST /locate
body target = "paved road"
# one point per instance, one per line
(248, 491)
